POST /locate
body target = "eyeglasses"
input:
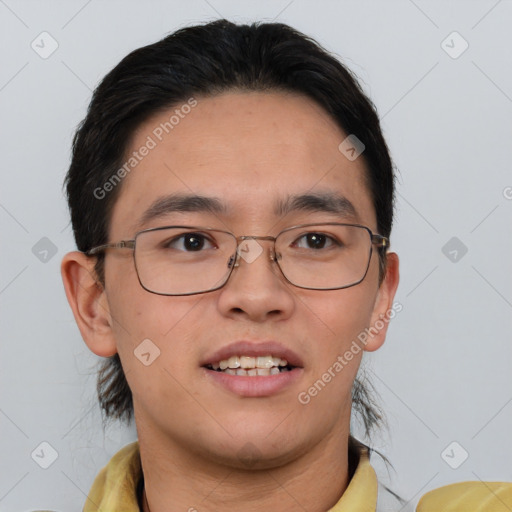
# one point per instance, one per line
(187, 260)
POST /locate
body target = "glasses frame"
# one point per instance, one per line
(380, 241)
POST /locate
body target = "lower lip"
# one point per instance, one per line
(258, 386)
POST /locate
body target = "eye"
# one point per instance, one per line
(315, 241)
(189, 242)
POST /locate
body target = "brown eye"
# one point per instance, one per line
(315, 241)
(189, 242)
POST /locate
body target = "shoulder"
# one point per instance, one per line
(114, 488)
(464, 496)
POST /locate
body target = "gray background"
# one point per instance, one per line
(444, 373)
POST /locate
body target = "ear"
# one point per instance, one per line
(384, 309)
(89, 303)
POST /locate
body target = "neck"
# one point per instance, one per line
(176, 480)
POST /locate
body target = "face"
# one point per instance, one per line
(250, 151)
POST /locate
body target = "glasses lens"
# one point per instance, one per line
(182, 261)
(324, 256)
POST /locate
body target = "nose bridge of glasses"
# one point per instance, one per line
(249, 249)
(254, 237)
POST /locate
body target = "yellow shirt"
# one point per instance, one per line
(469, 496)
(115, 490)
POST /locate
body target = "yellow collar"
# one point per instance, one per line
(115, 487)
(361, 493)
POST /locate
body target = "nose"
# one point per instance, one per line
(256, 288)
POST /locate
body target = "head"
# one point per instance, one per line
(252, 118)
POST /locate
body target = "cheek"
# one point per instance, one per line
(163, 320)
(334, 321)
(145, 323)
(156, 344)
(340, 315)
(138, 314)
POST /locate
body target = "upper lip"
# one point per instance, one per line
(253, 349)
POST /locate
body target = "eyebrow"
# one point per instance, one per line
(328, 202)
(181, 203)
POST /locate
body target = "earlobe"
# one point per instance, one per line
(384, 309)
(89, 303)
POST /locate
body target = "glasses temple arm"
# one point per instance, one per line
(123, 244)
(380, 240)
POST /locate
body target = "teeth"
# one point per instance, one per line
(247, 362)
(234, 362)
(247, 366)
(255, 372)
(265, 362)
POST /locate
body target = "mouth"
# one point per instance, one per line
(253, 369)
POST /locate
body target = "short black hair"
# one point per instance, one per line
(201, 61)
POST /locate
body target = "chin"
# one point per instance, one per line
(254, 457)
(255, 452)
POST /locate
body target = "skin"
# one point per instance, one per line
(191, 431)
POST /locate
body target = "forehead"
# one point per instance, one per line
(250, 150)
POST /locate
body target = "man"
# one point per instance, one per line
(231, 196)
